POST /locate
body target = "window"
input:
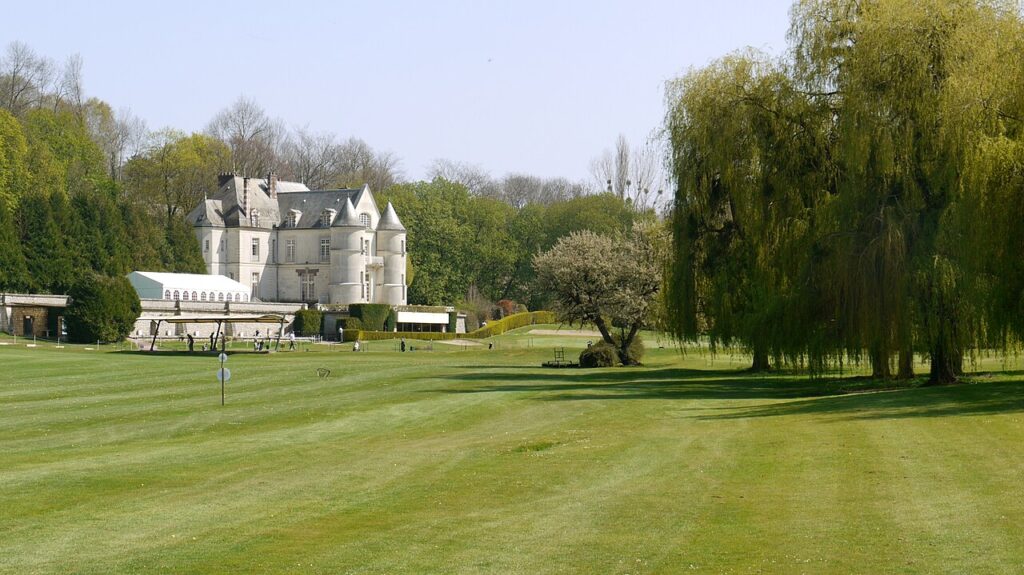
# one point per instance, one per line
(177, 295)
(245, 297)
(325, 250)
(308, 285)
(206, 245)
(289, 251)
(255, 285)
(220, 296)
(293, 218)
(254, 218)
(202, 296)
(194, 298)
(255, 249)
(273, 251)
(231, 275)
(327, 217)
(222, 243)
(184, 295)
(361, 277)
(238, 297)
(167, 294)
(403, 246)
(366, 247)
(365, 220)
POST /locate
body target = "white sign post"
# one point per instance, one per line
(223, 375)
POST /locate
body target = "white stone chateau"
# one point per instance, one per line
(292, 244)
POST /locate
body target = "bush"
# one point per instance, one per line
(635, 353)
(102, 309)
(308, 322)
(472, 321)
(601, 354)
(373, 315)
(392, 322)
(351, 323)
(453, 321)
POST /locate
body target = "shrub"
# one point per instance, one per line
(102, 308)
(601, 354)
(373, 315)
(351, 323)
(392, 322)
(472, 321)
(308, 322)
(453, 321)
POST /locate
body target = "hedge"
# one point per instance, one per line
(308, 322)
(511, 322)
(373, 315)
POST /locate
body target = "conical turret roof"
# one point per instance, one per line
(390, 221)
(347, 218)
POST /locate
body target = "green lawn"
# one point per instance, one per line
(476, 461)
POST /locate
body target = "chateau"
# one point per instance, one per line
(292, 244)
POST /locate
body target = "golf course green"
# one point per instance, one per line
(464, 459)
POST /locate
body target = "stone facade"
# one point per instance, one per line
(28, 315)
(293, 244)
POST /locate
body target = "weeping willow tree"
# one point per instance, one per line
(829, 205)
(746, 153)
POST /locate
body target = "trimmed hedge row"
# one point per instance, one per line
(511, 322)
(373, 315)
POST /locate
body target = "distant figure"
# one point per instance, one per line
(291, 341)
(213, 344)
(355, 346)
(402, 345)
(490, 345)
(191, 343)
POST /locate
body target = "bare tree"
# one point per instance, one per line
(255, 140)
(121, 135)
(359, 164)
(25, 78)
(69, 89)
(635, 174)
(475, 178)
(312, 158)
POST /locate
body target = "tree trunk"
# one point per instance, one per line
(623, 348)
(760, 359)
(944, 366)
(906, 364)
(880, 363)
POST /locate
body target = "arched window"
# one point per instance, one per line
(245, 297)
(202, 295)
(177, 295)
(194, 298)
(184, 295)
(220, 296)
(365, 220)
(238, 297)
(167, 294)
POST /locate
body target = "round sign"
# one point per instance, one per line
(226, 372)
(222, 357)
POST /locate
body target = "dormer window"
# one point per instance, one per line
(254, 218)
(365, 220)
(327, 217)
(293, 218)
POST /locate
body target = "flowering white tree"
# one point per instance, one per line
(609, 281)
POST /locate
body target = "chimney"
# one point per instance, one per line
(245, 196)
(223, 178)
(272, 185)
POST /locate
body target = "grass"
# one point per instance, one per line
(475, 461)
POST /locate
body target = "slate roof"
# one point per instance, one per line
(227, 207)
(390, 221)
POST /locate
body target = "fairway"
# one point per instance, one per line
(469, 460)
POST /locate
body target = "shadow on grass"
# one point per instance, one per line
(791, 393)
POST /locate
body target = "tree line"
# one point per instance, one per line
(859, 197)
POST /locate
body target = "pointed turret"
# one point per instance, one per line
(389, 221)
(347, 218)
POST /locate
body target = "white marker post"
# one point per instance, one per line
(223, 375)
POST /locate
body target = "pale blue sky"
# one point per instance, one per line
(529, 86)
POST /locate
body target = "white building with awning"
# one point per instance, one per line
(187, 287)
